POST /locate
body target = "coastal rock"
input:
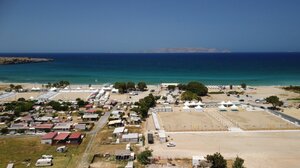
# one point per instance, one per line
(22, 60)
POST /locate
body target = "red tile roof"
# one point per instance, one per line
(44, 126)
(49, 135)
(75, 135)
(61, 136)
(91, 111)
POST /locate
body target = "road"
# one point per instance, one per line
(84, 162)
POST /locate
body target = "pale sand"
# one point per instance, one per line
(71, 96)
(188, 121)
(258, 120)
(266, 150)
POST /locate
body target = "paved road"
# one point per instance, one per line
(84, 163)
(7, 95)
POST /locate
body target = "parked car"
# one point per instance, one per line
(47, 157)
(171, 144)
(62, 149)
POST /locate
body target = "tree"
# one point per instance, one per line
(243, 85)
(188, 95)
(4, 130)
(143, 157)
(198, 88)
(181, 86)
(142, 86)
(130, 86)
(21, 99)
(238, 163)
(274, 100)
(171, 87)
(217, 160)
(121, 86)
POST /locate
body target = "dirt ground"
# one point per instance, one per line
(69, 96)
(188, 121)
(292, 112)
(259, 149)
(258, 120)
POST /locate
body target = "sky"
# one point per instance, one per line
(138, 26)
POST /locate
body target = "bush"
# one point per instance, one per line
(238, 163)
(143, 157)
(217, 160)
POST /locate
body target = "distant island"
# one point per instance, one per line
(190, 50)
(21, 60)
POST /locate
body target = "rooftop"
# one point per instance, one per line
(61, 136)
(75, 135)
(49, 135)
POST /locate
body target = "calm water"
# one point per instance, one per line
(221, 68)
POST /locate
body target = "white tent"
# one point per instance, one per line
(234, 108)
(229, 103)
(186, 109)
(198, 108)
(193, 103)
(200, 103)
(186, 103)
(222, 102)
(222, 108)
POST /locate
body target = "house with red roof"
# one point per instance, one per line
(61, 138)
(43, 127)
(48, 138)
(75, 138)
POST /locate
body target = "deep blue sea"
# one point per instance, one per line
(209, 68)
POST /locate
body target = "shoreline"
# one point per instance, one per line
(149, 84)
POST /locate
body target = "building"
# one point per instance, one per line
(118, 131)
(131, 137)
(196, 160)
(43, 127)
(162, 136)
(75, 138)
(61, 138)
(80, 127)
(115, 123)
(62, 127)
(90, 117)
(124, 155)
(18, 128)
(48, 138)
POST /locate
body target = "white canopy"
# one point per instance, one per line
(198, 107)
(229, 103)
(186, 103)
(193, 103)
(200, 103)
(222, 102)
(222, 107)
(234, 107)
(186, 107)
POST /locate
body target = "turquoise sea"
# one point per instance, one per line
(209, 68)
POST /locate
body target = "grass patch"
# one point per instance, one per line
(19, 149)
(294, 99)
(295, 89)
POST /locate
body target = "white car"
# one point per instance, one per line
(171, 144)
(47, 157)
